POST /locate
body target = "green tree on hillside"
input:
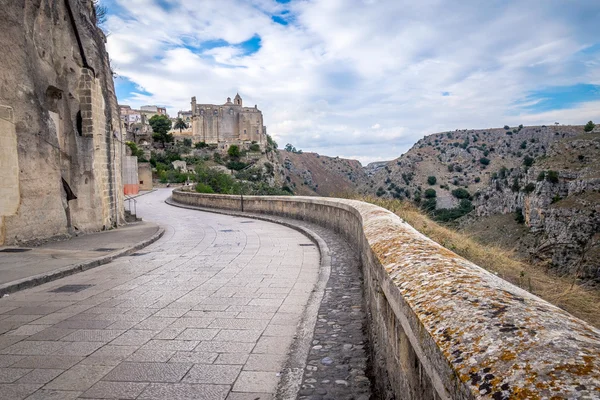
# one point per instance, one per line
(589, 126)
(180, 124)
(161, 125)
(234, 151)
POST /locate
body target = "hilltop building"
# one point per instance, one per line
(227, 124)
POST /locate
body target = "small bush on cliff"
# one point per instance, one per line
(484, 161)
(552, 176)
(461, 193)
(430, 194)
(528, 161)
(589, 126)
(529, 188)
(519, 217)
(200, 145)
(431, 180)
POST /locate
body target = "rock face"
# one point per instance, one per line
(57, 100)
(548, 175)
(314, 174)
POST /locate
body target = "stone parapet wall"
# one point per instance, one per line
(442, 327)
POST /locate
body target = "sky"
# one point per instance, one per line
(363, 79)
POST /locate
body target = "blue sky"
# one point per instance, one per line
(363, 79)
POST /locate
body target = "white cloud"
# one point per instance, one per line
(362, 79)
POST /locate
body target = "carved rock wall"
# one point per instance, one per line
(55, 76)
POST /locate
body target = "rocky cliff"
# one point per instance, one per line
(60, 129)
(313, 174)
(544, 177)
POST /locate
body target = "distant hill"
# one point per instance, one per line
(545, 179)
(312, 174)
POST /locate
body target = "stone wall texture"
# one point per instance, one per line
(55, 78)
(442, 327)
(145, 176)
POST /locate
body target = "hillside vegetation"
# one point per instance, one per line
(546, 178)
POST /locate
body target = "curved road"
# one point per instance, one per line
(207, 312)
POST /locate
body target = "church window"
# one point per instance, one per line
(215, 112)
(231, 111)
(201, 112)
(244, 131)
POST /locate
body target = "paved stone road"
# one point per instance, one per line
(207, 312)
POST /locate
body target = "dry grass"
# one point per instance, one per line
(562, 292)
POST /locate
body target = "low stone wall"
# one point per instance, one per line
(442, 327)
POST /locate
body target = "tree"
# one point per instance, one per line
(430, 194)
(180, 124)
(161, 125)
(589, 126)
(234, 151)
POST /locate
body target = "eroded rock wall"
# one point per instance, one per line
(56, 79)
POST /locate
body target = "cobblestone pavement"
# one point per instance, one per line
(207, 312)
(337, 365)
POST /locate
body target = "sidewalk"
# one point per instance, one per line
(37, 265)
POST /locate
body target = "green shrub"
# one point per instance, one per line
(451, 168)
(541, 176)
(484, 161)
(530, 187)
(200, 145)
(528, 161)
(430, 193)
(236, 165)
(589, 126)
(233, 151)
(515, 185)
(552, 176)
(461, 193)
(187, 142)
(506, 127)
(254, 147)
(204, 188)
(429, 205)
(519, 217)
(450, 214)
(477, 179)
(431, 180)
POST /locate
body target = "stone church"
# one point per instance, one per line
(230, 123)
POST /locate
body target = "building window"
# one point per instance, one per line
(215, 112)
(244, 131)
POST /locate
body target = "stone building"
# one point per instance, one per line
(60, 131)
(229, 123)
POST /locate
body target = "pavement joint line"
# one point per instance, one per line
(36, 280)
(291, 378)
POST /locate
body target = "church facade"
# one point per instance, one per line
(229, 123)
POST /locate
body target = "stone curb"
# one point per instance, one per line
(291, 376)
(62, 272)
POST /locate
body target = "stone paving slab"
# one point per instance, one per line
(185, 318)
(54, 260)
